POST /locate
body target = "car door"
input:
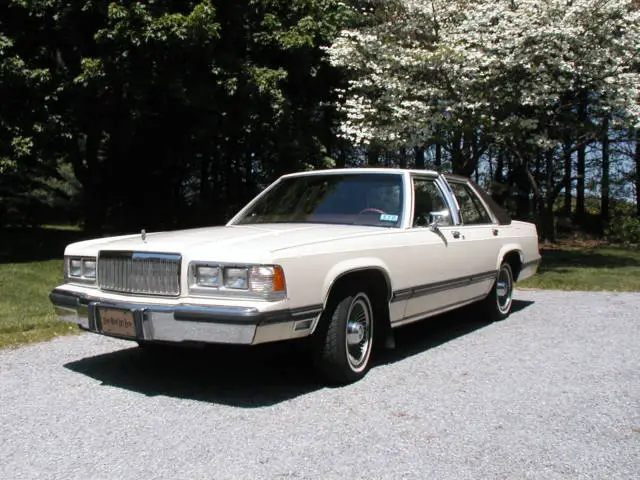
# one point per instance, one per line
(480, 242)
(434, 268)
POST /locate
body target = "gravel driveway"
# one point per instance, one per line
(552, 392)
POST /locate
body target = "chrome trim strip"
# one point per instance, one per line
(148, 255)
(429, 313)
(240, 315)
(309, 311)
(403, 294)
(431, 288)
(451, 200)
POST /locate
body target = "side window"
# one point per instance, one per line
(472, 211)
(427, 198)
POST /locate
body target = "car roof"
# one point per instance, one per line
(365, 170)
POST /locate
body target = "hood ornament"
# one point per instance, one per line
(143, 235)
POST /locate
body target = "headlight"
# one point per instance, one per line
(89, 268)
(75, 267)
(266, 281)
(80, 269)
(207, 276)
(236, 278)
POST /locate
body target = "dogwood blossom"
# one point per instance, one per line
(512, 68)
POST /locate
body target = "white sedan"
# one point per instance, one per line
(342, 256)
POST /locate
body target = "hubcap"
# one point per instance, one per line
(359, 331)
(355, 333)
(504, 290)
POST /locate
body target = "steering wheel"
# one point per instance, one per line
(370, 210)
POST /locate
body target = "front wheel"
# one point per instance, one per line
(344, 340)
(500, 300)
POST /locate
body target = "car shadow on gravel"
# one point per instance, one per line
(421, 336)
(250, 377)
(233, 375)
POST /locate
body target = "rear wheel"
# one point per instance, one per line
(344, 341)
(500, 300)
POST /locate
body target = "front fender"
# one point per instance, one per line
(353, 265)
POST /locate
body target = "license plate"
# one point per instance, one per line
(117, 322)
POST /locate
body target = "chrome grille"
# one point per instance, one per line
(139, 273)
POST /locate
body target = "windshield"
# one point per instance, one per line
(352, 199)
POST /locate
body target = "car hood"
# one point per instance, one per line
(227, 243)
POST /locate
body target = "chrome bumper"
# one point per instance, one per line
(529, 269)
(190, 323)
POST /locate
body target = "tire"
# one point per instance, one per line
(344, 341)
(499, 302)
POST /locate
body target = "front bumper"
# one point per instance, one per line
(190, 323)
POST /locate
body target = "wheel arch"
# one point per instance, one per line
(371, 271)
(360, 268)
(514, 256)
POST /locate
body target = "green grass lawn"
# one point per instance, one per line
(590, 268)
(30, 266)
(26, 315)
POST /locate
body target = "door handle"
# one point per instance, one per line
(495, 232)
(456, 234)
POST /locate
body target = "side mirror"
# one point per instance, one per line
(437, 218)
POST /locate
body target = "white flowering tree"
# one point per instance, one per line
(532, 78)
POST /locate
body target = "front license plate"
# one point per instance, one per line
(117, 322)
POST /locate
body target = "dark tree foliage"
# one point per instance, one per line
(171, 112)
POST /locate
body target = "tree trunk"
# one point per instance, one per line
(204, 200)
(418, 154)
(637, 155)
(402, 161)
(499, 173)
(580, 208)
(548, 224)
(520, 179)
(373, 156)
(567, 174)
(471, 164)
(84, 159)
(95, 211)
(438, 160)
(604, 205)
(491, 171)
(341, 158)
(457, 156)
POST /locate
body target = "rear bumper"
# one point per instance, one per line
(190, 323)
(529, 269)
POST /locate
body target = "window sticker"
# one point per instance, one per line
(386, 217)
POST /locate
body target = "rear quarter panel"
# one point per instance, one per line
(521, 237)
